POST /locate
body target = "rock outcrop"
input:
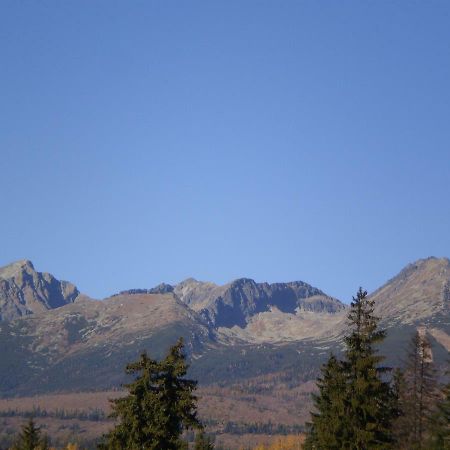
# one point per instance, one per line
(23, 291)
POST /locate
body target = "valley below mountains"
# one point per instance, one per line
(255, 348)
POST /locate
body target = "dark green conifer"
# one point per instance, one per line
(326, 431)
(370, 398)
(355, 406)
(31, 438)
(159, 406)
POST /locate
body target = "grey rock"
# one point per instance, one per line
(24, 291)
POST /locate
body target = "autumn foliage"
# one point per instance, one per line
(292, 442)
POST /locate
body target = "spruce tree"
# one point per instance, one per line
(418, 395)
(31, 438)
(369, 396)
(159, 406)
(326, 431)
(355, 404)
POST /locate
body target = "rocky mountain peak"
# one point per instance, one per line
(421, 290)
(195, 293)
(189, 281)
(430, 264)
(13, 269)
(162, 288)
(241, 282)
(25, 291)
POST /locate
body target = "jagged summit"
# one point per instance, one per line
(235, 303)
(190, 280)
(25, 291)
(242, 280)
(16, 267)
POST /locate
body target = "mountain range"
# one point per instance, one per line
(56, 339)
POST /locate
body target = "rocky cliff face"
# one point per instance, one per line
(24, 291)
(235, 303)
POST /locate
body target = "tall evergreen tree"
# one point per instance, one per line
(326, 431)
(159, 406)
(418, 397)
(31, 438)
(355, 405)
(370, 398)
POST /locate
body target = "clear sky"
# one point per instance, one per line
(150, 141)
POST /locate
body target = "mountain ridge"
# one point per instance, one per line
(239, 331)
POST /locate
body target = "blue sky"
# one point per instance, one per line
(151, 141)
